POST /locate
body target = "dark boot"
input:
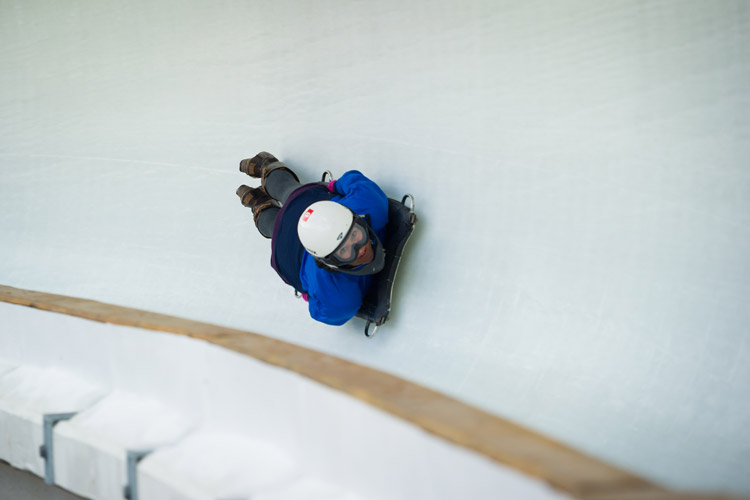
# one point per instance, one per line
(256, 200)
(254, 166)
(262, 164)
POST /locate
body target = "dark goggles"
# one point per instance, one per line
(347, 251)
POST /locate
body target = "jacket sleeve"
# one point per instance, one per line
(364, 197)
(340, 301)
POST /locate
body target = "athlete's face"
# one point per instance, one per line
(357, 249)
(365, 255)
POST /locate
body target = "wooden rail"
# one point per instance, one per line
(561, 467)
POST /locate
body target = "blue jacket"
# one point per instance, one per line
(334, 298)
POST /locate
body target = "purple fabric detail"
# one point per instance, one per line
(332, 186)
(292, 196)
(286, 249)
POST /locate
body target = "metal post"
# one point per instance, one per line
(47, 451)
(130, 492)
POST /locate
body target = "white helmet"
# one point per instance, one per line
(322, 226)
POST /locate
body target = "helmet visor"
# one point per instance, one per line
(355, 239)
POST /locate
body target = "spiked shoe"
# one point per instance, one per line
(256, 200)
(254, 166)
(261, 165)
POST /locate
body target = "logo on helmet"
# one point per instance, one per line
(307, 214)
(341, 235)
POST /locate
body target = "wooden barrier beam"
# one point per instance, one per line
(498, 439)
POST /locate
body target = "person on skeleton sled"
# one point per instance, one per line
(326, 239)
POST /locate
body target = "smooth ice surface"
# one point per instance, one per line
(5, 367)
(580, 171)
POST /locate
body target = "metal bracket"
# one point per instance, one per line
(47, 450)
(130, 491)
(410, 198)
(368, 333)
(412, 215)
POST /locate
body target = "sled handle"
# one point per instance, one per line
(328, 174)
(412, 215)
(411, 198)
(367, 328)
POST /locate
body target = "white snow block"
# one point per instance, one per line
(26, 395)
(208, 465)
(91, 449)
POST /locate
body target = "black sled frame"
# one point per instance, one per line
(377, 303)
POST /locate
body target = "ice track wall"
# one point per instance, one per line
(579, 167)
